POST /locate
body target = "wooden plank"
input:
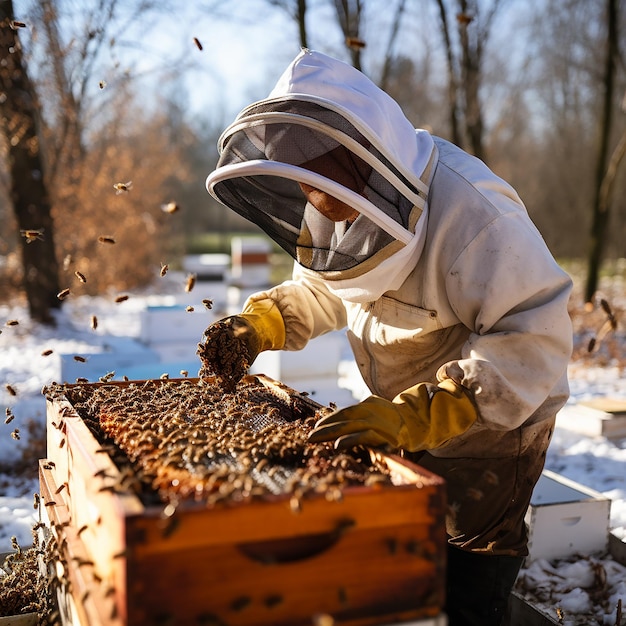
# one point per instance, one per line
(520, 613)
(361, 576)
(93, 604)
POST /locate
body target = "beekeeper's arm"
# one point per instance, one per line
(287, 316)
(508, 290)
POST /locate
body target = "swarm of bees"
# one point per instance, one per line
(186, 439)
(24, 589)
(223, 354)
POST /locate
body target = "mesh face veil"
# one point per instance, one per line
(297, 140)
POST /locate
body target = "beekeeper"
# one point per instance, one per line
(455, 309)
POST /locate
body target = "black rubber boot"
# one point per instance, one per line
(478, 586)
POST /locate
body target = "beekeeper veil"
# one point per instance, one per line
(327, 126)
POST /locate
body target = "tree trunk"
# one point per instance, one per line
(453, 102)
(31, 204)
(601, 204)
(470, 72)
(302, 23)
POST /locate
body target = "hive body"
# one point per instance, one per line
(306, 534)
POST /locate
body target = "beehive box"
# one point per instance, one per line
(375, 555)
(566, 518)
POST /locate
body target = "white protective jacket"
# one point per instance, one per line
(481, 301)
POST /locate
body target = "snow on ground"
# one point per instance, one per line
(30, 357)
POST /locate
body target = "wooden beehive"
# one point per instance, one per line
(374, 556)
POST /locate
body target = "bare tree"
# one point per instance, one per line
(29, 194)
(604, 178)
(296, 9)
(465, 65)
(349, 14)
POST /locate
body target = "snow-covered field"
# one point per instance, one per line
(31, 357)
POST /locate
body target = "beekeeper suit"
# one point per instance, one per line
(455, 309)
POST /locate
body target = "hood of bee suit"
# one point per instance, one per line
(325, 124)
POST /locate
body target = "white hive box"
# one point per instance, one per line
(566, 518)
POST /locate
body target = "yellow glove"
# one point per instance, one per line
(264, 327)
(422, 417)
(233, 343)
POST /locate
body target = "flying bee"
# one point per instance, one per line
(67, 261)
(80, 276)
(12, 323)
(121, 299)
(198, 44)
(63, 294)
(164, 268)
(11, 390)
(355, 43)
(102, 84)
(170, 207)
(10, 416)
(16, 434)
(106, 239)
(32, 234)
(80, 359)
(47, 352)
(15, 24)
(191, 281)
(189, 309)
(94, 322)
(123, 187)
(208, 303)
(464, 18)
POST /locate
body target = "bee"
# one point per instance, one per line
(35, 234)
(47, 352)
(36, 500)
(189, 309)
(121, 299)
(102, 84)
(170, 207)
(164, 268)
(94, 322)
(63, 294)
(191, 282)
(123, 187)
(198, 44)
(10, 417)
(16, 434)
(80, 276)
(208, 303)
(184, 373)
(15, 24)
(80, 379)
(11, 390)
(355, 43)
(106, 239)
(80, 359)
(12, 323)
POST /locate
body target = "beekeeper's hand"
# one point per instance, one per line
(260, 326)
(421, 418)
(233, 343)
